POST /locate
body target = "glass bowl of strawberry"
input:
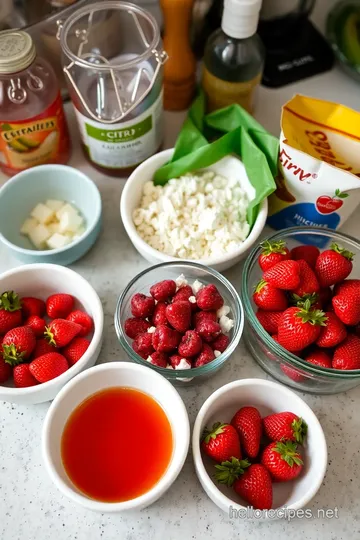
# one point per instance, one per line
(182, 319)
(302, 308)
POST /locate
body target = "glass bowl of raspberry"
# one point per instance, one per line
(181, 319)
(301, 297)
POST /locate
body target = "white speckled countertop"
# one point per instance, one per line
(31, 508)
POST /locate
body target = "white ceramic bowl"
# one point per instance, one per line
(42, 280)
(268, 397)
(130, 200)
(127, 375)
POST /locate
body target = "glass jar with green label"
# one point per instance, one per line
(113, 58)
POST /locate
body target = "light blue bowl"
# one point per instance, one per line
(19, 196)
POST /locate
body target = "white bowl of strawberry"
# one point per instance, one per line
(257, 446)
(182, 319)
(51, 326)
(302, 308)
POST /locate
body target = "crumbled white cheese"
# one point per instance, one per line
(224, 310)
(226, 324)
(217, 354)
(196, 216)
(181, 281)
(151, 330)
(196, 286)
(192, 299)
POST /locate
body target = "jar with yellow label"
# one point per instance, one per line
(234, 57)
(33, 128)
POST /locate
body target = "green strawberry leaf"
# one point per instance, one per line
(208, 434)
(260, 285)
(342, 251)
(300, 429)
(10, 301)
(312, 316)
(229, 471)
(12, 356)
(288, 452)
(273, 247)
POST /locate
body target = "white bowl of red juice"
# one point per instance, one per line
(116, 437)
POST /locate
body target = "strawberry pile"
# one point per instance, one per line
(309, 306)
(179, 326)
(253, 452)
(40, 340)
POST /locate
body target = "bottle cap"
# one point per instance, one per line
(17, 51)
(240, 18)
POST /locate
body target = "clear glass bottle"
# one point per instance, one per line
(234, 57)
(33, 128)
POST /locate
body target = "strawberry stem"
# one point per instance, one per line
(228, 471)
(288, 452)
(299, 301)
(312, 316)
(260, 285)
(273, 247)
(208, 434)
(10, 301)
(299, 430)
(49, 336)
(342, 251)
(11, 355)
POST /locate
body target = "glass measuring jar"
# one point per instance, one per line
(33, 128)
(113, 57)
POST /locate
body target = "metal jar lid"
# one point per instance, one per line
(17, 51)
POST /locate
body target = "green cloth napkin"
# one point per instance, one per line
(232, 131)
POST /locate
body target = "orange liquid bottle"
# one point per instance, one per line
(179, 70)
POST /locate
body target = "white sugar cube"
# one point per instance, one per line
(42, 213)
(57, 241)
(54, 205)
(28, 225)
(39, 235)
(70, 222)
(66, 208)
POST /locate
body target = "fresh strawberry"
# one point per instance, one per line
(5, 370)
(347, 354)
(82, 318)
(268, 298)
(163, 290)
(203, 316)
(42, 347)
(184, 293)
(60, 332)
(333, 333)
(305, 253)
(255, 487)
(320, 358)
(351, 286)
(10, 312)
(206, 355)
(179, 315)
(158, 359)
(142, 345)
(165, 339)
(37, 325)
(285, 426)
(308, 280)
(269, 320)
(221, 442)
(333, 265)
(133, 327)
(209, 298)
(293, 373)
(299, 327)
(208, 330)
(22, 375)
(283, 275)
(282, 460)
(142, 306)
(247, 422)
(32, 306)
(75, 349)
(176, 360)
(49, 366)
(159, 315)
(59, 306)
(190, 344)
(221, 343)
(272, 253)
(18, 344)
(347, 307)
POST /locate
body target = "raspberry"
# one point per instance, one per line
(142, 306)
(204, 316)
(158, 359)
(165, 339)
(159, 315)
(184, 293)
(134, 327)
(207, 355)
(190, 344)
(142, 345)
(179, 315)
(221, 343)
(208, 330)
(209, 298)
(175, 360)
(163, 290)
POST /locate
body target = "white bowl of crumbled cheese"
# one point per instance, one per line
(200, 216)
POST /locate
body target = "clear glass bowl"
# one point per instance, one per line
(192, 271)
(274, 359)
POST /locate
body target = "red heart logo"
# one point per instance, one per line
(327, 205)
